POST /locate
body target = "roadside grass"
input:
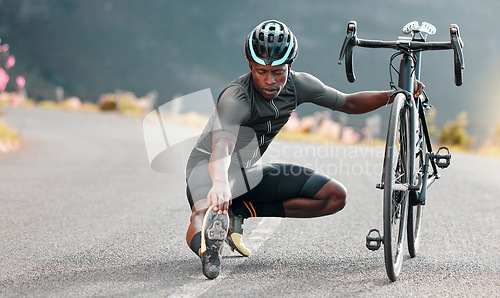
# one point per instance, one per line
(126, 107)
(489, 150)
(67, 106)
(192, 119)
(307, 137)
(198, 121)
(9, 139)
(302, 137)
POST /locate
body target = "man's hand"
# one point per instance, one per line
(419, 88)
(220, 196)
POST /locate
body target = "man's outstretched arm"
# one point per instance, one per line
(367, 101)
(311, 89)
(364, 102)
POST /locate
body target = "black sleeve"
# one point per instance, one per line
(311, 89)
(232, 110)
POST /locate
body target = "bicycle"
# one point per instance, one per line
(410, 165)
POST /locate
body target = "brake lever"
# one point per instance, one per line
(457, 43)
(343, 50)
(350, 35)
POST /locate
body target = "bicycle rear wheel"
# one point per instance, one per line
(415, 212)
(395, 195)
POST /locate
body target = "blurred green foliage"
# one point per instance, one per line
(454, 133)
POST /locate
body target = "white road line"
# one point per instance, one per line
(264, 230)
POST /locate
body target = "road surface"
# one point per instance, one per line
(83, 214)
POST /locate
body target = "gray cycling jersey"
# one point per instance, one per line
(244, 116)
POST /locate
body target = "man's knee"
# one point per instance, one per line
(341, 195)
(336, 196)
(341, 199)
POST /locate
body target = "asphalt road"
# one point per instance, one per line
(83, 214)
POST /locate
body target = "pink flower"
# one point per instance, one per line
(20, 82)
(4, 79)
(4, 48)
(11, 61)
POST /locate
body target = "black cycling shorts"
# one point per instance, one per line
(259, 183)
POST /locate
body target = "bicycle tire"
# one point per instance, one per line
(395, 201)
(415, 212)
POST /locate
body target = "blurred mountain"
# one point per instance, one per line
(178, 47)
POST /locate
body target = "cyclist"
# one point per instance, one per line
(225, 181)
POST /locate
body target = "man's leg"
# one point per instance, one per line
(291, 191)
(207, 229)
(198, 186)
(330, 199)
(205, 236)
(193, 234)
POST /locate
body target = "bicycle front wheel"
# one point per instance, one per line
(395, 188)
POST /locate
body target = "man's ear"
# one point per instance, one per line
(289, 66)
(250, 65)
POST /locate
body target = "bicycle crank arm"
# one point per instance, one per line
(400, 187)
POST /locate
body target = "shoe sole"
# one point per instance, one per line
(214, 230)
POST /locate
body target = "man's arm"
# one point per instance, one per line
(364, 102)
(219, 195)
(312, 90)
(232, 109)
(367, 101)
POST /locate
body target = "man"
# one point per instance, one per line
(225, 182)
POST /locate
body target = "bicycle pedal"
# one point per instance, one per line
(442, 160)
(373, 242)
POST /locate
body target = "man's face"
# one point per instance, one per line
(269, 80)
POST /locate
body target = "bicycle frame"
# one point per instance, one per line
(409, 71)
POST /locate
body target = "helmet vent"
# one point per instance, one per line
(270, 38)
(280, 38)
(278, 51)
